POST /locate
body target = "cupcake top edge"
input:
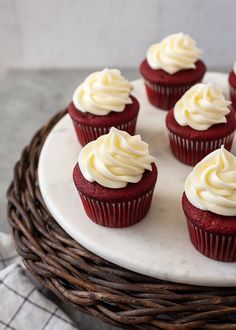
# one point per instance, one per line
(174, 53)
(102, 92)
(211, 186)
(201, 107)
(115, 159)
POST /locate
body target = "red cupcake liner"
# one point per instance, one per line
(233, 97)
(190, 152)
(86, 133)
(212, 245)
(117, 214)
(164, 96)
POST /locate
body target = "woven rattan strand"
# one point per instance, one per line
(93, 285)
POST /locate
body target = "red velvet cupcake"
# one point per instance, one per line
(103, 101)
(200, 123)
(232, 85)
(170, 69)
(209, 204)
(115, 177)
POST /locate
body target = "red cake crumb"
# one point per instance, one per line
(211, 234)
(190, 146)
(112, 119)
(183, 77)
(232, 79)
(98, 192)
(209, 221)
(212, 133)
(232, 85)
(163, 89)
(116, 207)
(89, 127)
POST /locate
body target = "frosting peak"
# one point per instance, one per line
(174, 53)
(212, 183)
(115, 159)
(201, 107)
(103, 92)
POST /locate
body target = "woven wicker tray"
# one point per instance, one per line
(93, 285)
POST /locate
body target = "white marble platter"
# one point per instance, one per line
(159, 245)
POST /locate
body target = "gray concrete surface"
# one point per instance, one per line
(77, 33)
(27, 100)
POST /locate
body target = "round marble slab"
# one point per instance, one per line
(159, 245)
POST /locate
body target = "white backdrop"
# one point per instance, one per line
(98, 33)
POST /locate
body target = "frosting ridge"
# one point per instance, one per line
(174, 53)
(201, 107)
(211, 185)
(115, 159)
(102, 92)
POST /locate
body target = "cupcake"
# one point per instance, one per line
(115, 177)
(103, 101)
(209, 204)
(200, 122)
(171, 67)
(232, 85)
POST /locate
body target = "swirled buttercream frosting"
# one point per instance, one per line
(115, 159)
(103, 92)
(201, 107)
(211, 185)
(174, 53)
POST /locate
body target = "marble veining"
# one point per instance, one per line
(159, 245)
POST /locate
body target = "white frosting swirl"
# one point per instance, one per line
(103, 92)
(201, 107)
(234, 69)
(174, 53)
(212, 183)
(115, 159)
